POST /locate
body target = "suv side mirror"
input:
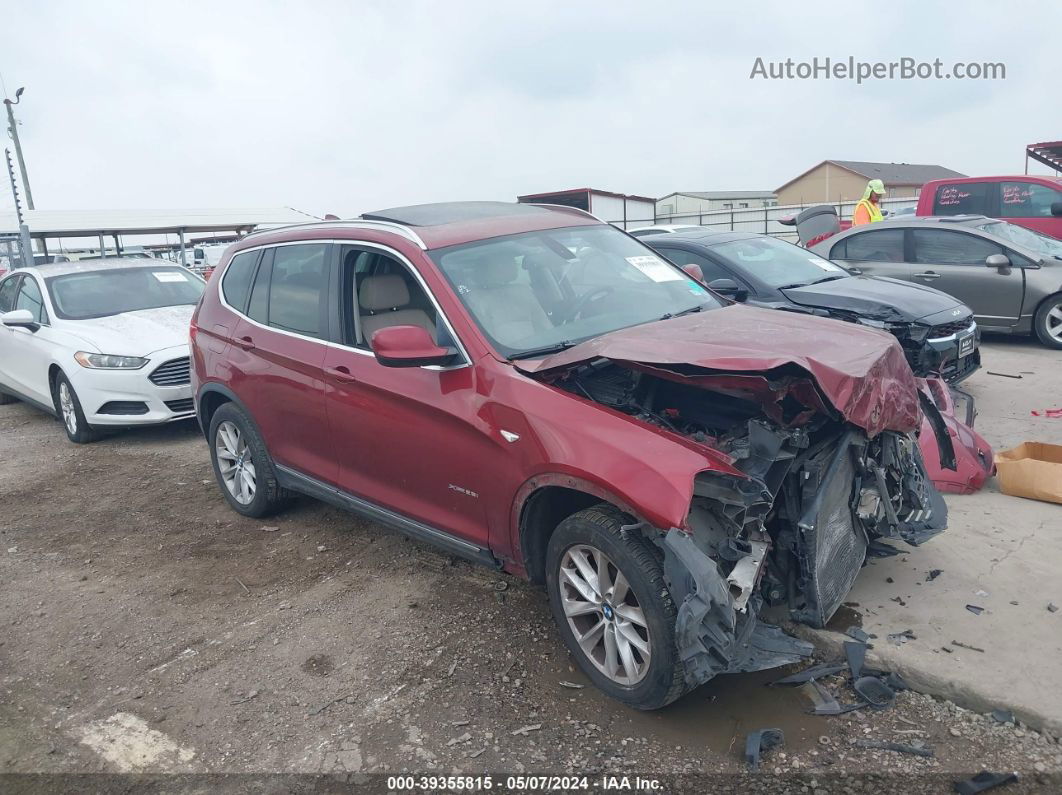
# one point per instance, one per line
(408, 346)
(730, 289)
(693, 270)
(1056, 208)
(20, 318)
(999, 261)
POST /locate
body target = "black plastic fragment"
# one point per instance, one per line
(900, 748)
(759, 742)
(876, 549)
(808, 674)
(1002, 716)
(825, 703)
(984, 781)
(856, 654)
(875, 692)
(896, 682)
(857, 634)
(933, 574)
(975, 609)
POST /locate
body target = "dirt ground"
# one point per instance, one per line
(146, 627)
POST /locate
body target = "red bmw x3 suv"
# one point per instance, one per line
(530, 388)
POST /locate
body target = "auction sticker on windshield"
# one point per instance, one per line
(826, 265)
(168, 276)
(656, 269)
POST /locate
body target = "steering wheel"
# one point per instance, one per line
(594, 295)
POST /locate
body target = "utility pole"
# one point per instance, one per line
(23, 230)
(13, 129)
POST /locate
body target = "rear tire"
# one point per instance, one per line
(640, 618)
(1047, 323)
(242, 465)
(68, 407)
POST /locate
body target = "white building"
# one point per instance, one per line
(692, 202)
(623, 210)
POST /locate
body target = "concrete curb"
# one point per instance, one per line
(830, 645)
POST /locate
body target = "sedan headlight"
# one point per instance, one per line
(105, 361)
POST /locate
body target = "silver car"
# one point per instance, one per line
(1009, 275)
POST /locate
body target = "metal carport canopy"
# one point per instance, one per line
(1049, 153)
(91, 223)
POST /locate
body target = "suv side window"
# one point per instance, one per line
(879, 245)
(258, 306)
(236, 283)
(379, 291)
(7, 293)
(29, 297)
(944, 247)
(1027, 200)
(297, 287)
(962, 199)
(711, 270)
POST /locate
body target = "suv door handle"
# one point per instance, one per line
(927, 275)
(341, 374)
(246, 343)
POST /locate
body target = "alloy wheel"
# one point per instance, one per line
(604, 615)
(235, 463)
(66, 406)
(1053, 322)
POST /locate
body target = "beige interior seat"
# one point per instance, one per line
(510, 312)
(384, 301)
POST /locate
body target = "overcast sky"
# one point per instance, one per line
(351, 106)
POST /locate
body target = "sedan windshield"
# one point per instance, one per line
(91, 294)
(777, 263)
(538, 292)
(1012, 233)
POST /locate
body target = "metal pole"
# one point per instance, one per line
(18, 152)
(27, 245)
(103, 248)
(184, 259)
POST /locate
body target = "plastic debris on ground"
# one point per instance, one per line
(759, 742)
(984, 781)
(900, 748)
(975, 609)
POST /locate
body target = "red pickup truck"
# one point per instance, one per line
(1030, 201)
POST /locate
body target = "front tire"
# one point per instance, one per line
(1047, 322)
(613, 609)
(71, 414)
(242, 465)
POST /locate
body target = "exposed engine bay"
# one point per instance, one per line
(793, 533)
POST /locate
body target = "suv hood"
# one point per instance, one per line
(136, 333)
(792, 364)
(874, 298)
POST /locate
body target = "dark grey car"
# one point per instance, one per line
(1009, 275)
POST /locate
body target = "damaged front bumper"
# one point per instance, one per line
(793, 536)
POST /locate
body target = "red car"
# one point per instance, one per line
(533, 389)
(1030, 201)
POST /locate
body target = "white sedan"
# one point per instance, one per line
(98, 342)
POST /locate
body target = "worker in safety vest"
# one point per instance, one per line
(868, 210)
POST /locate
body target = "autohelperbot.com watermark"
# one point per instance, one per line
(865, 71)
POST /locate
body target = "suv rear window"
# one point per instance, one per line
(236, 283)
(965, 198)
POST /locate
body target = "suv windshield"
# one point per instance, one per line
(777, 263)
(540, 291)
(1034, 241)
(91, 294)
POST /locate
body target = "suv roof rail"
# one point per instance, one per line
(355, 223)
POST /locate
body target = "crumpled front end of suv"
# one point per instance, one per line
(823, 462)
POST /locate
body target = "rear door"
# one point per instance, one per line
(277, 352)
(954, 262)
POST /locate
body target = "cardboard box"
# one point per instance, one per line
(1033, 470)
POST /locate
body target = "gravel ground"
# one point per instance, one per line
(148, 628)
